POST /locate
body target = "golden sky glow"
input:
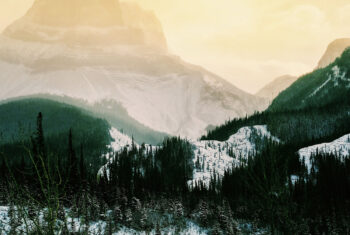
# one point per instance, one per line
(248, 42)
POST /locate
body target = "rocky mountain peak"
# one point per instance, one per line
(92, 23)
(334, 50)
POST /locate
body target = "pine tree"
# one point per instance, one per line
(40, 136)
(72, 161)
(38, 148)
(158, 232)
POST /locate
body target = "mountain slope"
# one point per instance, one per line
(321, 87)
(272, 89)
(157, 89)
(334, 50)
(314, 109)
(339, 147)
(18, 123)
(111, 111)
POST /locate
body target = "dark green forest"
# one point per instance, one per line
(111, 111)
(18, 123)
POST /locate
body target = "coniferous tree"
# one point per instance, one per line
(40, 136)
(72, 167)
(82, 167)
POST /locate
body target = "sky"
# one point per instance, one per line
(247, 42)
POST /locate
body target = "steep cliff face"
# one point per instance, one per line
(88, 22)
(334, 50)
(135, 17)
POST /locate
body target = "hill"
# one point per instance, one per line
(111, 111)
(18, 123)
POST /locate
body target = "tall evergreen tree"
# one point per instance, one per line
(82, 169)
(40, 136)
(72, 167)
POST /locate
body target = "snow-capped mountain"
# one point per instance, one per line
(334, 50)
(272, 89)
(117, 52)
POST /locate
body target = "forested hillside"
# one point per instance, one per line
(18, 122)
(279, 184)
(330, 85)
(111, 111)
(314, 108)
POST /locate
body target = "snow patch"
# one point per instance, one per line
(120, 140)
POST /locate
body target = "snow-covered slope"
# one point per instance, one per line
(211, 158)
(216, 157)
(339, 147)
(334, 50)
(271, 90)
(157, 89)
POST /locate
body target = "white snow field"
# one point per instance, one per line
(340, 147)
